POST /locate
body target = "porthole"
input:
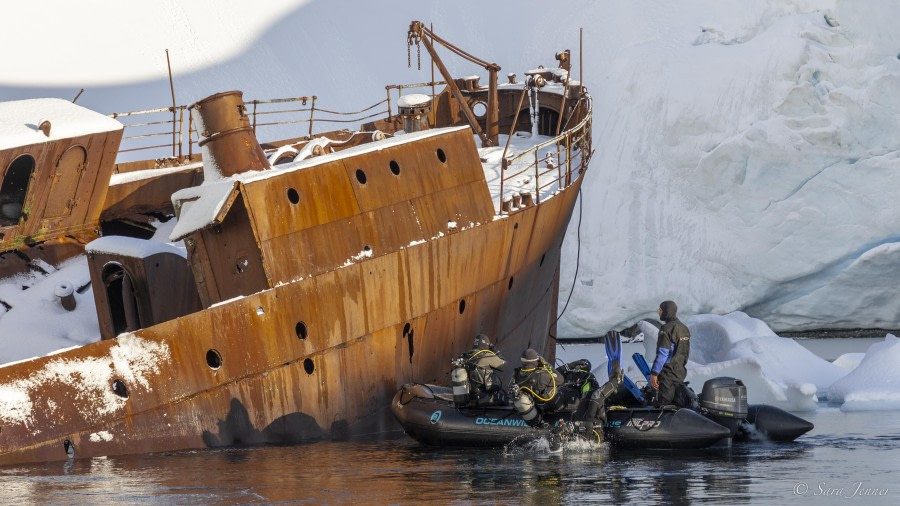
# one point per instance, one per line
(302, 331)
(360, 176)
(480, 109)
(395, 168)
(309, 366)
(119, 388)
(442, 157)
(241, 265)
(509, 286)
(293, 196)
(462, 306)
(213, 359)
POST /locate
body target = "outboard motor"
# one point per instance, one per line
(459, 379)
(724, 401)
(524, 405)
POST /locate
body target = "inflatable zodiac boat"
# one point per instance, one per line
(428, 414)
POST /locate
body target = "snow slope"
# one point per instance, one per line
(747, 156)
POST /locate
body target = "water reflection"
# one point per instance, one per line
(398, 470)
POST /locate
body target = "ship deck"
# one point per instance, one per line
(538, 172)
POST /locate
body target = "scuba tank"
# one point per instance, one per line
(524, 405)
(459, 380)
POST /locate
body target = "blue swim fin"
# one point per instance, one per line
(635, 391)
(641, 365)
(613, 343)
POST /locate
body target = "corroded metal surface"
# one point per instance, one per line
(315, 293)
(273, 384)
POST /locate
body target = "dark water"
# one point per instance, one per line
(844, 450)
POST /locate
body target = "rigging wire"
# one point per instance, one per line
(577, 262)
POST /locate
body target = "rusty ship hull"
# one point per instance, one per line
(314, 292)
(366, 338)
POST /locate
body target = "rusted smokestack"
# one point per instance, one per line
(227, 140)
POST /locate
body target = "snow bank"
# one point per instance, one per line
(875, 383)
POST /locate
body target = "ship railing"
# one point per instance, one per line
(571, 151)
(271, 119)
(413, 86)
(145, 130)
(276, 114)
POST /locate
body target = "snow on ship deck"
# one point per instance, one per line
(522, 175)
(543, 182)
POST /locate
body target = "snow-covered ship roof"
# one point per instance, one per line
(202, 206)
(19, 121)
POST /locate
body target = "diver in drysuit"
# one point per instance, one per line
(536, 389)
(476, 375)
(542, 390)
(591, 412)
(672, 349)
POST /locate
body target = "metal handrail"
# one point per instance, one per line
(575, 137)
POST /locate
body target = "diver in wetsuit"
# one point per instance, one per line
(672, 349)
(479, 370)
(537, 388)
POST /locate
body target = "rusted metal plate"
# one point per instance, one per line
(398, 173)
(297, 200)
(465, 205)
(232, 257)
(370, 234)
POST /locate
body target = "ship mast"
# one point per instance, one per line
(419, 33)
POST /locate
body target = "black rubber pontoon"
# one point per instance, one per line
(427, 414)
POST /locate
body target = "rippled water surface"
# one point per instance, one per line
(844, 450)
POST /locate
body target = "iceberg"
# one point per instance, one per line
(875, 383)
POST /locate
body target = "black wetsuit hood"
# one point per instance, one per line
(669, 309)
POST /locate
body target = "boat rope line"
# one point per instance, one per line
(577, 262)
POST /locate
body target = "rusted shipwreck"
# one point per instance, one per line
(316, 274)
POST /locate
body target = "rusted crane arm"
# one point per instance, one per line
(418, 32)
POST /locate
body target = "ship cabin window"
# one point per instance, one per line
(479, 109)
(14, 189)
(547, 121)
(123, 304)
